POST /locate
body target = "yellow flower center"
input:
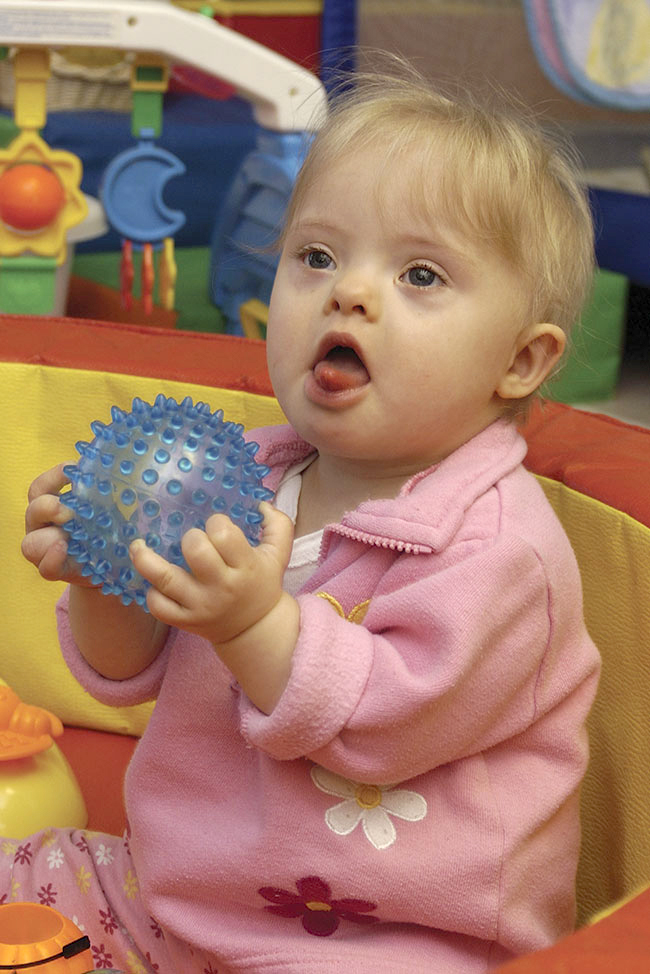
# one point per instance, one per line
(317, 905)
(368, 796)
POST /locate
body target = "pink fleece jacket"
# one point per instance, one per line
(412, 801)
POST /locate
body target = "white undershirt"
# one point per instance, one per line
(304, 554)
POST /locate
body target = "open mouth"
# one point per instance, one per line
(340, 368)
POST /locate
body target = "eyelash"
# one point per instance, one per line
(304, 253)
(422, 265)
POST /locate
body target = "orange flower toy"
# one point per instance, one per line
(37, 786)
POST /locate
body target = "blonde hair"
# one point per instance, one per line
(505, 181)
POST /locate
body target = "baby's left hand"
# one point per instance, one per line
(232, 585)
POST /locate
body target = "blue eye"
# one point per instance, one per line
(421, 276)
(318, 259)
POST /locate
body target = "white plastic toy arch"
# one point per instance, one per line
(284, 96)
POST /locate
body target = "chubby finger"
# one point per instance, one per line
(170, 580)
(277, 531)
(202, 556)
(47, 550)
(172, 590)
(50, 482)
(228, 540)
(45, 509)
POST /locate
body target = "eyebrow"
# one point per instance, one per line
(413, 241)
(302, 226)
(450, 249)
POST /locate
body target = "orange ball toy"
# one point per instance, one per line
(31, 196)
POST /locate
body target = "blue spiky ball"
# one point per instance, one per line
(154, 473)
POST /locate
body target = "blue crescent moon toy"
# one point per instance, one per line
(132, 193)
(154, 473)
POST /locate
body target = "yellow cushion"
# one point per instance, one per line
(613, 551)
(46, 410)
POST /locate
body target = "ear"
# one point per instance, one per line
(538, 348)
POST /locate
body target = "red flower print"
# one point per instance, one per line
(152, 965)
(155, 926)
(82, 844)
(210, 969)
(23, 854)
(101, 956)
(47, 895)
(320, 914)
(108, 921)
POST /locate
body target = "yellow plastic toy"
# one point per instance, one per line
(39, 938)
(31, 71)
(37, 786)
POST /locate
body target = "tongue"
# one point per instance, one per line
(341, 369)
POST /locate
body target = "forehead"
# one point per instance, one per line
(440, 178)
(418, 195)
(406, 186)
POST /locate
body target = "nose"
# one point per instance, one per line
(354, 294)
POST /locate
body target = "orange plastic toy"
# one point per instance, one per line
(37, 938)
(38, 788)
(24, 730)
(31, 196)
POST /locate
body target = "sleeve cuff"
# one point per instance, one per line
(330, 670)
(115, 693)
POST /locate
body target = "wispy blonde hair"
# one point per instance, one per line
(505, 180)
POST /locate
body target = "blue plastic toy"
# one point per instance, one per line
(154, 473)
(243, 259)
(132, 193)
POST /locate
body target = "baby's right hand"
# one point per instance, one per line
(45, 544)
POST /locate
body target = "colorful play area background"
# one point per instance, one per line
(213, 137)
(57, 374)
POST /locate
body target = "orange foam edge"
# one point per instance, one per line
(221, 361)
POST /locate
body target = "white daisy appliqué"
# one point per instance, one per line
(372, 805)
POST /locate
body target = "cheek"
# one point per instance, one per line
(278, 326)
(274, 346)
(275, 360)
(282, 357)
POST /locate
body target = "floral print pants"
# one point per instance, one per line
(89, 878)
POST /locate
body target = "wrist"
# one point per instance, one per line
(260, 656)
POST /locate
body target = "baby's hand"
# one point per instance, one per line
(45, 544)
(232, 585)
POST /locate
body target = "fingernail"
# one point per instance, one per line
(136, 546)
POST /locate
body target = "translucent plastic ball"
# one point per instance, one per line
(154, 473)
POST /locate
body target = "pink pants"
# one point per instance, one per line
(90, 878)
